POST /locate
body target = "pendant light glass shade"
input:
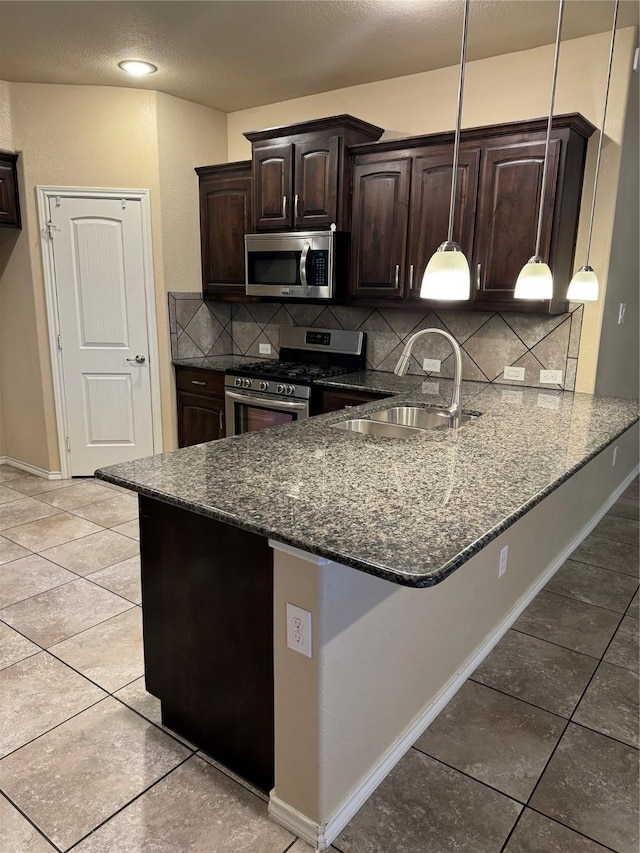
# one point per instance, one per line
(583, 286)
(535, 280)
(447, 275)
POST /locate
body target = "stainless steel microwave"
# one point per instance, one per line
(296, 265)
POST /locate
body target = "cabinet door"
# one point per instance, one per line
(225, 217)
(510, 187)
(9, 207)
(429, 210)
(200, 418)
(272, 171)
(316, 183)
(379, 229)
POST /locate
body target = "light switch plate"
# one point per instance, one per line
(551, 377)
(299, 630)
(622, 310)
(431, 365)
(513, 373)
(264, 349)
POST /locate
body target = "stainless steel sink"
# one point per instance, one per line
(403, 421)
(380, 428)
(419, 417)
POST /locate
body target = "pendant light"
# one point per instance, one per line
(584, 284)
(535, 280)
(447, 274)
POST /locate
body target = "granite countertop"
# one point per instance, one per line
(408, 510)
(215, 363)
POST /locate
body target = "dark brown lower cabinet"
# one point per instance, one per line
(207, 596)
(334, 400)
(200, 399)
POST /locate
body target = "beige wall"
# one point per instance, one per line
(107, 137)
(503, 88)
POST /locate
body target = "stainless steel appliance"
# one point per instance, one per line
(267, 393)
(296, 265)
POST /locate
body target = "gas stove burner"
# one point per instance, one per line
(289, 370)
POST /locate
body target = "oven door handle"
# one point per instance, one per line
(263, 401)
(303, 267)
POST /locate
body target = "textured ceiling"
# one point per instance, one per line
(244, 53)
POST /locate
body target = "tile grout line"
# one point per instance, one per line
(28, 819)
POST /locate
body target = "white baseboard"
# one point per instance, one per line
(321, 836)
(30, 469)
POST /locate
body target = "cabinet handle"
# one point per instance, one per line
(284, 207)
(295, 205)
(221, 420)
(411, 277)
(397, 276)
(197, 382)
(478, 276)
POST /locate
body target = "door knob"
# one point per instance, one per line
(139, 359)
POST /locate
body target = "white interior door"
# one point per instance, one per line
(98, 260)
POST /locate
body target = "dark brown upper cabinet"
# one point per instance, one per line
(9, 201)
(225, 217)
(401, 192)
(301, 173)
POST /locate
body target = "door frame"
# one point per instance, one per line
(45, 194)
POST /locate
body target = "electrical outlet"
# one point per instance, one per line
(502, 565)
(299, 630)
(615, 456)
(264, 349)
(431, 365)
(551, 377)
(622, 310)
(513, 373)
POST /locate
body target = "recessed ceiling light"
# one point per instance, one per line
(137, 67)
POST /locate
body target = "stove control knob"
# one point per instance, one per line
(289, 389)
(246, 383)
(264, 386)
(238, 382)
(279, 388)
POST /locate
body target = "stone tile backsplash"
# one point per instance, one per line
(489, 341)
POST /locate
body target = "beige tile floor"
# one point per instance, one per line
(537, 753)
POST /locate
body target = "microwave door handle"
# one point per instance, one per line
(303, 267)
(262, 401)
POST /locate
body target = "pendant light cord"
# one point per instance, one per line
(456, 142)
(604, 116)
(546, 145)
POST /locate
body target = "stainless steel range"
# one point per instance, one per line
(268, 393)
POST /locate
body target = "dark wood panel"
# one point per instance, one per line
(334, 400)
(225, 217)
(199, 381)
(510, 188)
(207, 595)
(272, 176)
(316, 183)
(9, 201)
(379, 228)
(200, 418)
(429, 210)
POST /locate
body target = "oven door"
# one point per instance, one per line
(248, 412)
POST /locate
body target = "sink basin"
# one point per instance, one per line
(403, 421)
(370, 427)
(419, 417)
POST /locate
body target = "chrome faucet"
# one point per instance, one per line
(403, 365)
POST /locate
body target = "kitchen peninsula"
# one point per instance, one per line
(393, 547)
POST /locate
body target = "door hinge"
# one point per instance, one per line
(59, 342)
(123, 202)
(68, 443)
(48, 230)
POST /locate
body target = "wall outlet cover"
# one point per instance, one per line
(299, 630)
(264, 349)
(551, 377)
(622, 310)
(513, 373)
(431, 365)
